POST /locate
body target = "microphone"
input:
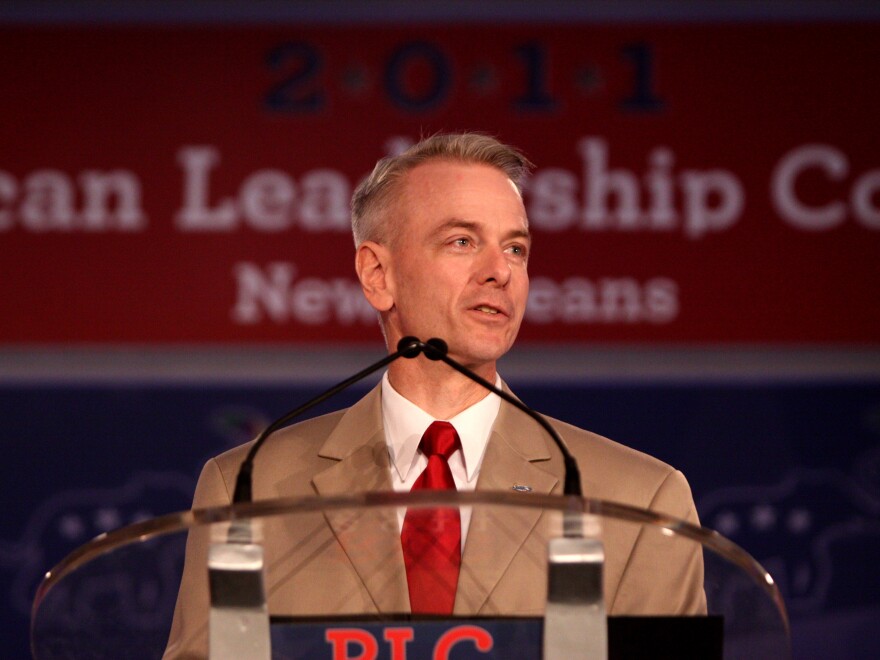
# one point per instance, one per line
(408, 347)
(436, 349)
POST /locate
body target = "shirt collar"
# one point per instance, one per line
(405, 423)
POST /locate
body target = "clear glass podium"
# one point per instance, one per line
(334, 564)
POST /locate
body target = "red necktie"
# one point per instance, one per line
(431, 538)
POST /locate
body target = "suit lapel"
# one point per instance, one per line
(517, 454)
(369, 537)
(516, 451)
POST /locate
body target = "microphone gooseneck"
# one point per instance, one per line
(408, 347)
(436, 349)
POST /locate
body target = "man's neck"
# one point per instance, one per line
(436, 388)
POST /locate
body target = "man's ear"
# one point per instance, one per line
(371, 263)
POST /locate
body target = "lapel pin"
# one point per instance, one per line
(522, 489)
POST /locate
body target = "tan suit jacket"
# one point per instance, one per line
(352, 563)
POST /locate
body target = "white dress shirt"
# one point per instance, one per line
(405, 424)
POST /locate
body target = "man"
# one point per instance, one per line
(443, 246)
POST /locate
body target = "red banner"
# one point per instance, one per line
(695, 182)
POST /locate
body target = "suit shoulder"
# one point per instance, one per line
(303, 438)
(592, 444)
(613, 471)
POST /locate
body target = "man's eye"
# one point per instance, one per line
(462, 242)
(518, 250)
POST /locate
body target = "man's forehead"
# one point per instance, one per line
(441, 191)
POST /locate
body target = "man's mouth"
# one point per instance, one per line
(487, 309)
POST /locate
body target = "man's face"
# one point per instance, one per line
(457, 267)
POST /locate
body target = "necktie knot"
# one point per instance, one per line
(440, 439)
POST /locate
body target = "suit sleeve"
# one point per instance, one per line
(189, 628)
(664, 574)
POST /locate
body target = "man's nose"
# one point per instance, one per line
(494, 267)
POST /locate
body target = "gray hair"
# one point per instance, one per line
(372, 196)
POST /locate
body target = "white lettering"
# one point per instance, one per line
(195, 214)
(267, 200)
(784, 181)
(619, 200)
(661, 214)
(600, 184)
(273, 293)
(8, 191)
(552, 193)
(48, 202)
(98, 190)
(713, 201)
(543, 301)
(326, 195)
(350, 305)
(661, 300)
(864, 191)
(309, 301)
(260, 292)
(577, 300)
(621, 300)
